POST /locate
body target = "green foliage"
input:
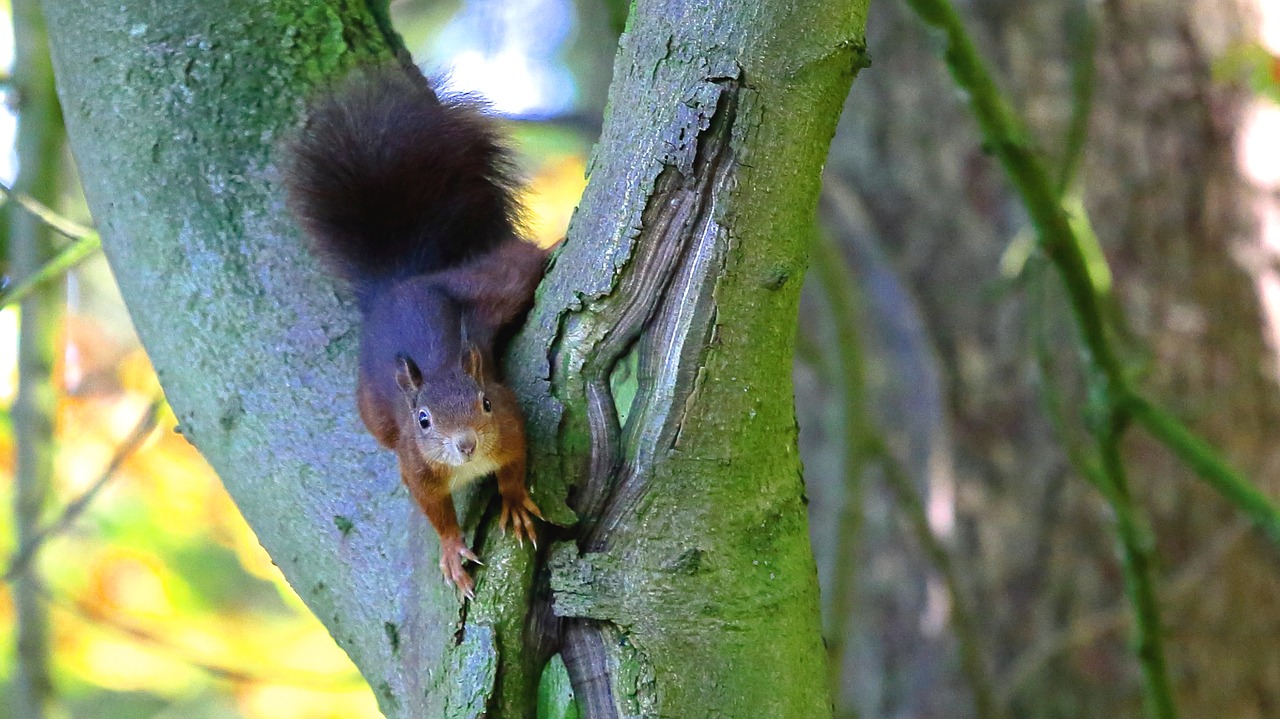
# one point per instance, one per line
(1254, 66)
(555, 695)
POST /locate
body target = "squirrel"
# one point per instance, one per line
(408, 196)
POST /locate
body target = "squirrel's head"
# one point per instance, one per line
(449, 413)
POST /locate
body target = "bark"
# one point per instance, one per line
(176, 111)
(664, 389)
(1167, 204)
(39, 144)
(688, 587)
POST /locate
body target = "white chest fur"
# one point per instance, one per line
(471, 471)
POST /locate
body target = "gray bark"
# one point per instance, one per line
(176, 112)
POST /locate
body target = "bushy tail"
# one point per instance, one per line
(393, 181)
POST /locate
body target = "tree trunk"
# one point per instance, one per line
(39, 145)
(654, 371)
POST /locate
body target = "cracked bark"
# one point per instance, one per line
(686, 588)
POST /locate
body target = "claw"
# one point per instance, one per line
(518, 511)
(451, 554)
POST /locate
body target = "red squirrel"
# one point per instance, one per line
(408, 195)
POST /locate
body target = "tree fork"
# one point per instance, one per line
(175, 110)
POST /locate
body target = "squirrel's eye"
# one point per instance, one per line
(485, 403)
(424, 419)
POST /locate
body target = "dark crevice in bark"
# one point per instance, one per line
(686, 237)
(659, 305)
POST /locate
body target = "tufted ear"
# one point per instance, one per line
(407, 375)
(472, 363)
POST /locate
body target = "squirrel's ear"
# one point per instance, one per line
(472, 363)
(407, 374)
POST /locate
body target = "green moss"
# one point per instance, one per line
(316, 33)
(393, 636)
(343, 524)
(387, 700)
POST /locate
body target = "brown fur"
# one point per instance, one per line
(408, 197)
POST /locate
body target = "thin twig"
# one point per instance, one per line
(1200, 457)
(38, 146)
(1082, 39)
(55, 221)
(1111, 400)
(157, 642)
(1006, 137)
(23, 556)
(1137, 566)
(86, 242)
(1061, 242)
(68, 258)
(837, 286)
(1050, 394)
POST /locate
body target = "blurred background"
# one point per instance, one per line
(940, 396)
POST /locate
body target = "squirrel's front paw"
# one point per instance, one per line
(518, 511)
(452, 552)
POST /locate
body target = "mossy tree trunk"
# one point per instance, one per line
(666, 394)
(655, 368)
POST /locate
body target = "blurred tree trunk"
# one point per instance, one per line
(39, 145)
(655, 366)
(1172, 214)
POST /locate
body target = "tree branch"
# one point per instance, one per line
(683, 262)
(1205, 461)
(23, 556)
(256, 345)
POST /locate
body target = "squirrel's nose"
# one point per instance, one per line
(466, 444)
